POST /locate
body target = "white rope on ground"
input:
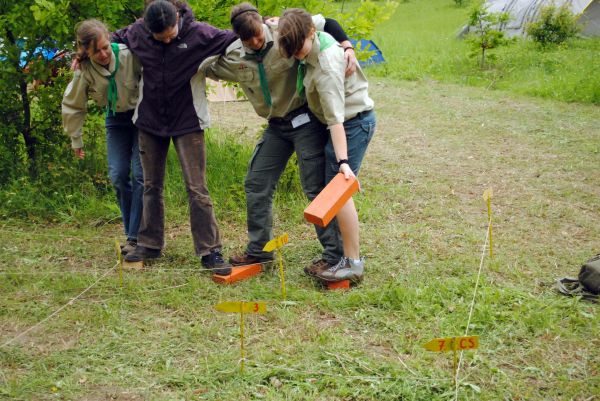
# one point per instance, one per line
(18, 273)
(71, 301)
(35, 234)
(472, 307)
(167, 288)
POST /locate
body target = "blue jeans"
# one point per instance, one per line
(125, 169)
(359, 131)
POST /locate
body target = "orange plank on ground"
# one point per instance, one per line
(331, 199)
(238, 273)
(338, 285)
(133, 265)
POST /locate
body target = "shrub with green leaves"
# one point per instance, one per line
(555, 25)
(485, 36)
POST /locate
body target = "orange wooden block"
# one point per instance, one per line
(238, 273)
(133, 265)
(331, 199)
(338, 285)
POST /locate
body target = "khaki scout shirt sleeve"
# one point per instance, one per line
(329, 82)
(319, 22)
(74, 108)
(219, 68)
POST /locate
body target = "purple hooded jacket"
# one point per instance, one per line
(167, 105)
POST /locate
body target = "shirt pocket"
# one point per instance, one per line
(245, 76)
(282, 65)
(132, 86)
(97, 96)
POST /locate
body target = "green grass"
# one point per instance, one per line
(423, 225)
(419, 43)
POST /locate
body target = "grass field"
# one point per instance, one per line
(419, 43)
(424, 223)
(438, 146)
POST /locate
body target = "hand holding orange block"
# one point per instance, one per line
(331, 199)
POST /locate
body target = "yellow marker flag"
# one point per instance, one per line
(487, 194)
(276, 243)
(452, 344)
(242, 307)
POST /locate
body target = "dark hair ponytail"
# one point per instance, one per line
(160, 15)
(87, 34)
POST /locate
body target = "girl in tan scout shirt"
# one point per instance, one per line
(109, 74)
(343, 103)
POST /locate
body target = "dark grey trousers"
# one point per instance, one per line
(278, 143)
(192, 158)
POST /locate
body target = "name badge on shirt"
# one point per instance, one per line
(300, 119)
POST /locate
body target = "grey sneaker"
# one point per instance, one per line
(344, 270)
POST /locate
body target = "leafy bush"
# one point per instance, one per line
(485, 37)
(555, 26)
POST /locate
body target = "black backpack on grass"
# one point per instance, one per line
(588, 284)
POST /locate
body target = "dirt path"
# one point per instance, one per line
(439, 146)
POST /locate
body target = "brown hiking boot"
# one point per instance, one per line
(316, 267)
(245, 259)
(128, 247)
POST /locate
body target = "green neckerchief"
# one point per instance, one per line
(112, 95)
(325, 42)
(259, 57)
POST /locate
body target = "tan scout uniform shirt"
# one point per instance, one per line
(91, 81)
(238, 65)
(331, 96)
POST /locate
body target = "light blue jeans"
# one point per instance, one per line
(125, 169)
(359, 131)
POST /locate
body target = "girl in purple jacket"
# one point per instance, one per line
(170, 45)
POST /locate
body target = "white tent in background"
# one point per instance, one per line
(524, 12)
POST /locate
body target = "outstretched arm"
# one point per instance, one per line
(334, 28)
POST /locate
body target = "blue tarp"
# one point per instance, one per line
(366, 44)
(45, 53)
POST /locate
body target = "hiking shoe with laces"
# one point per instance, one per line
(128, 247)
(317, 266)
(246, 259)
(214, 261)
(345, 269)
(141, 253)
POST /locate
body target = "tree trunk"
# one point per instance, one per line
(29, 140)
(482, 64)
(26, 130)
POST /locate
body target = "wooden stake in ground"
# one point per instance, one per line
(277, 244)
(242, 307)
(487, 197)
(119, 260)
